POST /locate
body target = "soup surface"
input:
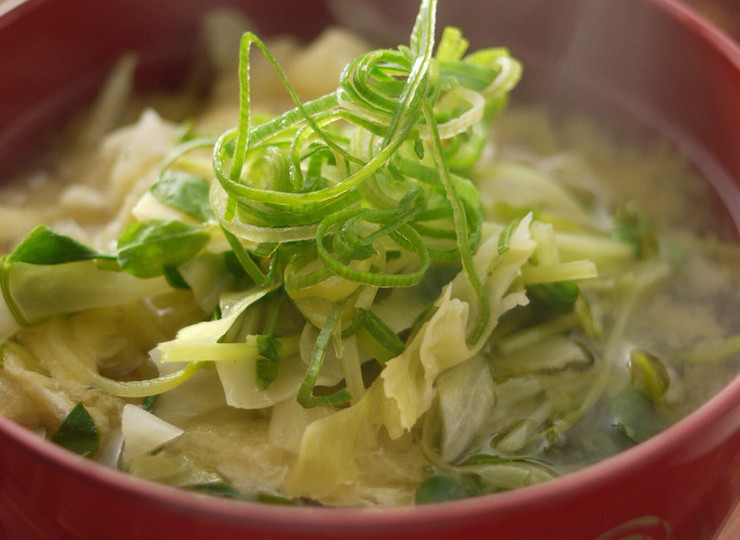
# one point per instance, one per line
(404, 290)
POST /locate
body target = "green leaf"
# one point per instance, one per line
(148, 403)
(174, 278)
(147, 248)
(78, 432)
(552, 299)
(45, 246)
(185, 192)
(440, 488)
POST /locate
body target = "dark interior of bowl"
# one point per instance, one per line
(58, 68)
(655, 81)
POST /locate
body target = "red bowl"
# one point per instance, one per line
(646, 66)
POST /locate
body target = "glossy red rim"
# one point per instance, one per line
(726, 404)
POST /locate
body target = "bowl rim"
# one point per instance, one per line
(706, 28)
(725, 402)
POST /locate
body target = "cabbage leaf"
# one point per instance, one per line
(405, 390)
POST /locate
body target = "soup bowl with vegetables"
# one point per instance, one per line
(368, 269)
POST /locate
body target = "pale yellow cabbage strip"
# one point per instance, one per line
(209, 332)
(235, 362)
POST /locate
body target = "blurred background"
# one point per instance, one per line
(724, 13)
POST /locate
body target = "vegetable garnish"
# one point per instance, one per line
(367, 186)
(359, 293)
(78, 432)
(376, 145)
